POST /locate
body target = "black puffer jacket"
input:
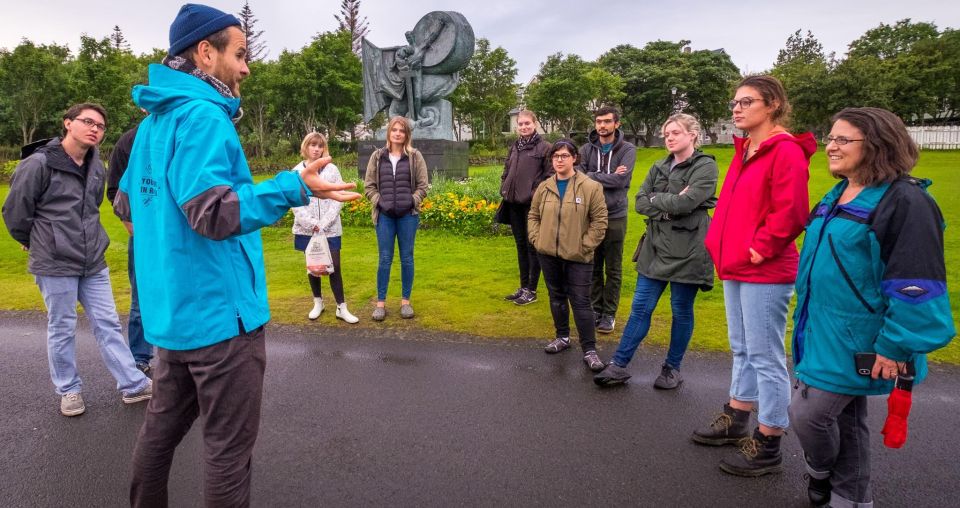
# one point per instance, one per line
(524, 170)
(53, 208)
(396, 187)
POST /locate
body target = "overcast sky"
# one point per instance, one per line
(751, 31)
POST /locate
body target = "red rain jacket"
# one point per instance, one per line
(763, 205)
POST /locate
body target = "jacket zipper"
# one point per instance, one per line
(559, 212)
(846, 276)
(801, 323)
(723, 231)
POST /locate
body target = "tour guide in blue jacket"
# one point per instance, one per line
(203, 296)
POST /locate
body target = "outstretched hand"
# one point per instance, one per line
(324, 189)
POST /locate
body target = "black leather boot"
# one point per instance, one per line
(818, 491)
(758, 455)
(728, 427)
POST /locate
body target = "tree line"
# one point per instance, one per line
(910, 68)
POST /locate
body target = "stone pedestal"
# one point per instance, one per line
(450, 159)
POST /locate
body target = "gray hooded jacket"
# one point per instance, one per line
(53, 208)
(602, 168)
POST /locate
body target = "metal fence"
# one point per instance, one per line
(941, 137)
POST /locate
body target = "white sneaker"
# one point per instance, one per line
(344, 314)
(317, 308)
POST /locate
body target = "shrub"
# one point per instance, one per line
(6, 170)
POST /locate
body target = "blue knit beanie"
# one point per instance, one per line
(194, 22)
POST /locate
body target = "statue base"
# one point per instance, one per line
(448, 159)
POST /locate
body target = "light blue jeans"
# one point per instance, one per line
(757, 325)
(60, 294)
(401, 231)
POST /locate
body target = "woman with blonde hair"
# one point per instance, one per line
(676, 196)
(396, 183)
(321, 217)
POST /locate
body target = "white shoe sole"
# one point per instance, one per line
(73, 412)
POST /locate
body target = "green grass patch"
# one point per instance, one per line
(461, 280)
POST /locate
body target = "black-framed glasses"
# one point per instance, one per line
(92, 123)
(561, 156)
(744, 103)
(839, 140)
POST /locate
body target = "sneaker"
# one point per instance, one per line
(513, 296)
(818, 491)
(557, 345)
(142, 395)
(758, 455)
(145, 368)
(606, 324)
(593, 361)
(668, 379)
(612, 374)
(728, 427)
(316, 310)
(71, 404)
(344, 314)
(406, 311)
(526, 298)
(379, 313)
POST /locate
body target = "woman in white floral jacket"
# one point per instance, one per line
(321, 217)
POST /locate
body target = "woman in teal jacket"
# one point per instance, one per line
(872, 279)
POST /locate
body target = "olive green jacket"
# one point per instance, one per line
(571, 228)
(676, 203)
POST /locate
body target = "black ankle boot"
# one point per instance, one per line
(728, 427)
(818, 491)
(758, 455)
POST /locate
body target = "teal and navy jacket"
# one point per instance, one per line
(196, 215)
(872, 278)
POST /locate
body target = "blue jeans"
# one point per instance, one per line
(756, 325)
(645, 299)
(141, 349)
(404, 230)
(60, 294)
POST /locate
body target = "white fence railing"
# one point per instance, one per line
(941, 137)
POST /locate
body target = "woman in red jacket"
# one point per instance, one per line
(762, 208)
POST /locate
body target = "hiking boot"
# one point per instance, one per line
(758, 455)
(606, 324)
(379, 313)
(344, 314)
(557, 345)
(612, 374)
(818, 491)
(71, 404)
(145, 368)
(593, 361)
(143, 394)
(668, 379)
(526, 298)
(513, 296)
(406, 311)
(728, 427)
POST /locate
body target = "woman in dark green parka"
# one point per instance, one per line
(675, 198)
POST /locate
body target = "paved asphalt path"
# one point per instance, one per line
(372, 417)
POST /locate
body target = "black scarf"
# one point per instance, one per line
(531, 141)
(183, 65)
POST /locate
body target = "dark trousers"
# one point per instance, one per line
(569, 285)
(336, 280)
(516, 214)
(608, 269)
(223, 383)
(141, 349)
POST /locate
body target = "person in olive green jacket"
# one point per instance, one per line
(567, 220)
(675, 197)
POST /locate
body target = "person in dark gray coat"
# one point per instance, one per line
(53, 211)
(609, 160)
(675, 197)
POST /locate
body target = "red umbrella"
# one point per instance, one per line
(898, 410)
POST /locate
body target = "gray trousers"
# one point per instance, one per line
(833, 432)
(608, 268)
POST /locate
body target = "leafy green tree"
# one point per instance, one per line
(803, 69)
(567, 88)
(889, 41)
(486, 93)
(707, 95)
(34, 88)
(104, 74)
(259, 97)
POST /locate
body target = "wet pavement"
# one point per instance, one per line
(373, 417)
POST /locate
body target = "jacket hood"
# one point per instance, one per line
(170, 89)
(806, 141)
(57, 157)
(594, 138)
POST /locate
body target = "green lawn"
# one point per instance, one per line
(460, 282)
